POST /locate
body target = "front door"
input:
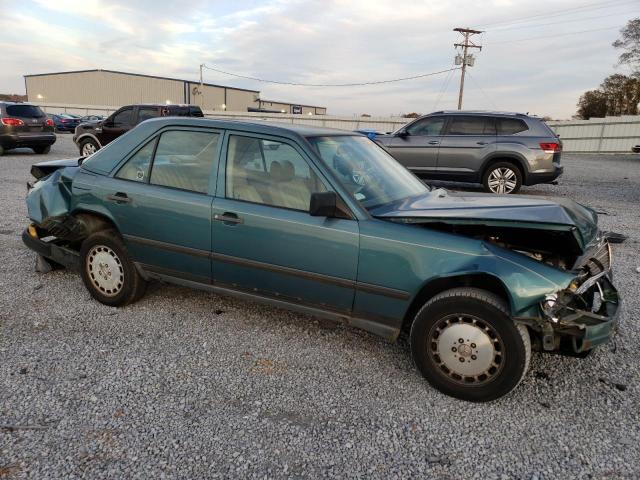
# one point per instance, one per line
(467, 142)
(417, 146)
(264, 240)
(116, 125)
(162, 202)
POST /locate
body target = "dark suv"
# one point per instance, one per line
(25, 125)
(91, 136)
(503, 151)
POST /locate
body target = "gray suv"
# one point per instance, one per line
(25, 125)
(503, 151)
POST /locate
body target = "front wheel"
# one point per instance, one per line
(503, 177)
(108, 271)
(466, 345)
(88, 146)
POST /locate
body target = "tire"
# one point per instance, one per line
(502, 178)
(42, 150)
(108, 271)
(88, 146)
(479, 371)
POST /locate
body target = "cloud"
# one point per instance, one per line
(323, 41)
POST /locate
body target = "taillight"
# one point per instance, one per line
(14, 122)
(550, 147)
(49, 122)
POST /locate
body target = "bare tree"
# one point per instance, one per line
(630, 43)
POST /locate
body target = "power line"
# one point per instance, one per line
(537, 25)
(558, 13)
(477, 84)
(466, 59)
(554, 36)
(354, 84)
(443, 90)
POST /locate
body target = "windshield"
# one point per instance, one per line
(370, 174)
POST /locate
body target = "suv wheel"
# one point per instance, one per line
(42, 150)
(108, 271)
(466, 345)
(503, 177)
(88, 146)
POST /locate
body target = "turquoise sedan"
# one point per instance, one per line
(325, 222)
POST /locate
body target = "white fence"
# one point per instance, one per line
(597, 135)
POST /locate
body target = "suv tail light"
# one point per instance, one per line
(14, 122)
(49, 122)
(550, 147)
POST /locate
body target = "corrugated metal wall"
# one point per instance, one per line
(103, 87)
(599, 135)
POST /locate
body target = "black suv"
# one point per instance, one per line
(25, 125)
(91, 136)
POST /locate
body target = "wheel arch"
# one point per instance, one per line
(511, 158)
(88, 135)
(94, 221)
(431, 288)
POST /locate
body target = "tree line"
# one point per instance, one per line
(618, 94)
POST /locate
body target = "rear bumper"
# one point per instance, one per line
(59, 254)
(15, 140)
(544, 177)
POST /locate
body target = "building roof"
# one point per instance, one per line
(140, 75)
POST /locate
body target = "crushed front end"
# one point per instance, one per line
(584, 315)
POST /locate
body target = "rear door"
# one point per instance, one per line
(417, 146)
(32, 117)
(161, 199)
(467, 141)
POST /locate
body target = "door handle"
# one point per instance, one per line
(228, 218)
(119, 197)
(482, 143)
(433, 142)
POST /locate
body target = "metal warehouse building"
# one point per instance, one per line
(112, 88)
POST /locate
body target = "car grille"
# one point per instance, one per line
(598, 260)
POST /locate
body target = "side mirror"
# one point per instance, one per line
(402, 134)
(323, 204)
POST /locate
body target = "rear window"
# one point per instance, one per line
(28, 111)
(461, 125)
(511, 126)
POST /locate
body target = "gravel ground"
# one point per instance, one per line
(185, 384)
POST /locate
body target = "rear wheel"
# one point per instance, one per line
(503, 177)
(88, 146)
(42, 150)
(108, 271)
(466, 345)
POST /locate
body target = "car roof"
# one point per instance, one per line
(480, 112)
(258, 126)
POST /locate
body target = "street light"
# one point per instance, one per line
(168, 102)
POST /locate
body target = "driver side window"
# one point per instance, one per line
(123, 118)
(431, 126)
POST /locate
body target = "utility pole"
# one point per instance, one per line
(467, 33)
(201, 88)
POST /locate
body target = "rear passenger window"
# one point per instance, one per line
(137, 167)
(460, 125)
(269, 172)
(185, 160)
(146, 114)
(511, 126)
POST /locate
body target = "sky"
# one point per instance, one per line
(538, 56)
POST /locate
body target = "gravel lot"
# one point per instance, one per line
(186, 384)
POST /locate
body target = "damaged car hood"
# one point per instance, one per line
(519, 211)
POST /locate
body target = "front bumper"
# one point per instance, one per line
(49, 249)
